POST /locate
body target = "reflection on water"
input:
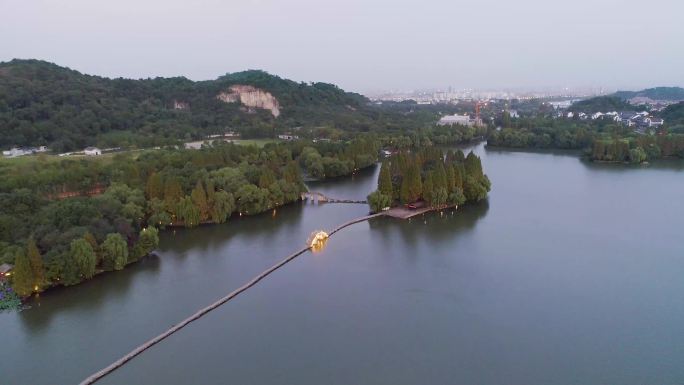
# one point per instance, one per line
(356, 187)
(58, 302)
(665, 164)
(662, 164)
(565, 275)
(254, 229)
(433, 226)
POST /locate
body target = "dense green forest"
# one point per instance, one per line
(427, 175)
(571, 137)
(64, 220)
(45, 104)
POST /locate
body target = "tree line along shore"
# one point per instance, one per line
(598, 140)
(52, 238)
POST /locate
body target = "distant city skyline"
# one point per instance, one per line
(362, 46)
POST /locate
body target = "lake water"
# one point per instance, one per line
(571, 273)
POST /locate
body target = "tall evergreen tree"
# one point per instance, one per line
(439, 197)
(416, 182)
(459, 156)
(451, 178)
(450, 157)
(385, 180)
(412, 186)
(22, 274)
(154, 187)
(440, 177)
(458, 176)
(90, 238)
(36, 261)
(473, 166)
(199, 199)
(173, 191)
(428, 186)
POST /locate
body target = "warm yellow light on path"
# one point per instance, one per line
(317, 240)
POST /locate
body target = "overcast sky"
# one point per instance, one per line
(361, 45)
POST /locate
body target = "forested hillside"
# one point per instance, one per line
(45, 104)
(657, 93)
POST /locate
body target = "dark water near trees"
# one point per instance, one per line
(571, 273)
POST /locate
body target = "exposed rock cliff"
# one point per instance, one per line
(251, 97)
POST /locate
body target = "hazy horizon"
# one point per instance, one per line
(360, 45)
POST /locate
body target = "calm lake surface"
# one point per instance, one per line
(570, 273)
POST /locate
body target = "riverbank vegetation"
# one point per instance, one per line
(62, 222)
(430, 176)
(9, 300)
(599, 140)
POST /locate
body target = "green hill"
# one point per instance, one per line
(44, 104)
(657, 93)
(602, 104)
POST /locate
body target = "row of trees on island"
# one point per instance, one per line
(63, 221)
(428, 175)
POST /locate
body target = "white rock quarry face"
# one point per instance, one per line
(251, 97)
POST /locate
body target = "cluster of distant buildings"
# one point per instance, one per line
(462, 120)
(288, 136)
(654, 105)
(89, 151)
(452, 95)
(628, 118)
(21, 151)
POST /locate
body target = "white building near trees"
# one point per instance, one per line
(92, 151)
(463, 120)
